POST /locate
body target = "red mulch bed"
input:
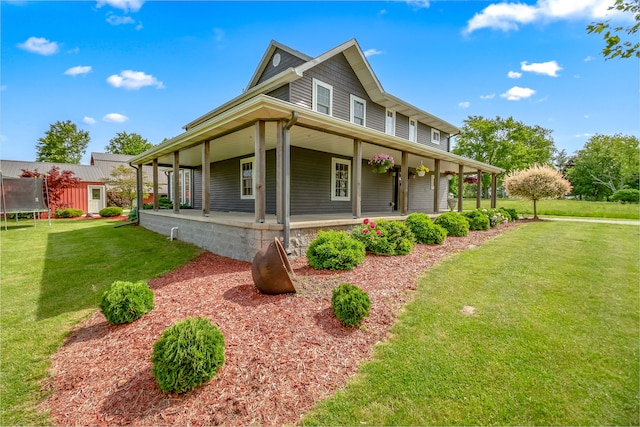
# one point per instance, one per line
(283, 353)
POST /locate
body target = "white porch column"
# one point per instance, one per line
(176, 182)
(206, 177)
(260, 165)
(356, 186)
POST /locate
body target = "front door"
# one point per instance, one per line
(96, 199)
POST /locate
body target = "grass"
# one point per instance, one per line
(564, 207)
(53, 277)
(554, 339)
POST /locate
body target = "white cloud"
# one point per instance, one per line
(510, 16)
(3, 88)
(464, 104)
(120, 20)
(583, 135)
(115, 118)
(129, 79)
(490, 96)
(371, 52)
(514, 75)
(125, 5)
(418, 4)
(89, 120)
(40, 46)
(589, 58)
(76, 71)
(517, 93)
(549, 68)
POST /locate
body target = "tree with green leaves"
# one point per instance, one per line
(615, 46)
(606, 164)
(125, 143)
(506, 143)
(62, 143)
(535, 183)
(123, 181)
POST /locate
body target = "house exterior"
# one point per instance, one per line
(289, 156)
(90, 193)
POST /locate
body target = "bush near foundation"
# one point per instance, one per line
(68, 213)
(188, 353)
(125, 302)
(335, 250)
(384, 237)
(350, 304)
(477, 220)
(424, 230)
(110, 211)
(454, 223)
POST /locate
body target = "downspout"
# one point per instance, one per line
(138, 191)
(286, 184)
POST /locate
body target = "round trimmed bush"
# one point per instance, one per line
(110, 211)
(68, 213)
(125, 302)
(384, 237)
(350, 304)
(477, 220)
(335, 250)
(627, 195)
(188, 353)
(454, 223)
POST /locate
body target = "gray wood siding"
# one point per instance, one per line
(402, 126)
(420, 194)
(377, 190)
(424, 135)
(286, 61)
(280, 93)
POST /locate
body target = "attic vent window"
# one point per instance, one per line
(276, 60)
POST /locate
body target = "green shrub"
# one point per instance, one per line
(335, 250)
(350, 304)
(125, 302)
(110, 211)
(133, 214)
(627, 195)
(68, 213)
(506, 214)
(495, 216)
(164, 203)
(513, 214)
(477, 220)
(188, 353)
(454, 223)
(385, 237)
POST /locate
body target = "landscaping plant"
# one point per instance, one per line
(477, 219)
(627, 195)
(110, 211)
(188, 353)
(424, 230)
(335, 250)
(384, 237)
(455, 224)
(68, 213)
(125, 302)
(350, 304)
(495, 216)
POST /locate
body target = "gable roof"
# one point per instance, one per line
(13, 168)
(358, 62)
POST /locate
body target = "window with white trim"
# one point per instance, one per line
(322, 97)
(413, 130)
(358, 110)
(390, 123)
(340, 179)
(246, 178)
(435, 136)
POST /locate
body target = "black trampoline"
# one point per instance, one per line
(23, 195)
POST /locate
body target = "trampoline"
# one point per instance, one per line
(23, 195)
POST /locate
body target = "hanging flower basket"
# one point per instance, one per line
(380, 163)
(471, 179)
(422, 169)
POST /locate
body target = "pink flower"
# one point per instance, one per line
(372, 224)
(365, 231)
(366, 221)
(378, 232)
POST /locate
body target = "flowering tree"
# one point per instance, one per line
(56, 182)
(535, 183)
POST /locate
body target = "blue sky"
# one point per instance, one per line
(151, 67)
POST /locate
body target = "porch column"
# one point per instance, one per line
(479, 189)
(404, 183)
(493, 190)
(155, 185)
(176, 182)
(206, 177)
(279, 173)
(260, 172)
(356, 188)
(460, 186)
(436, 186)
(139, 189)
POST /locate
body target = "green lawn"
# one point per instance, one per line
(564, 207)
(51, 278)
(554, 339)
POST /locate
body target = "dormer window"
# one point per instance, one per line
(435, 136)
(358, 110)
(322, 97)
